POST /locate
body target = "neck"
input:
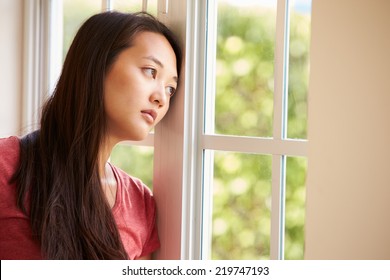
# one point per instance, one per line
(104, 155)
(107, 177)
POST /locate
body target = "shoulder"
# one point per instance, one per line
(10, 153)
(134, 196)
(9, 145)
(135, 214)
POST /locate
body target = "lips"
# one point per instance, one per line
(150, 115)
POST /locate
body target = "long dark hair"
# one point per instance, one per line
(58, 182)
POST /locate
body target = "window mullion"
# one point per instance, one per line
(55, 42)
(256, 145)
(107, 5)
(42, 56)
(31, 64)
(208, 122)
(193, 203)
(170, 150)
(280, 117)
(281, 70)
(144, 5)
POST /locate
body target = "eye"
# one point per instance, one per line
(171, 91)
(151, 72)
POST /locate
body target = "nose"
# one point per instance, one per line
(159, 96)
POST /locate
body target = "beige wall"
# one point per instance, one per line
(11, 51)
(348, 198)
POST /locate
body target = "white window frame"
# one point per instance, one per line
(180, 167)
(41, 56)
(198, 172)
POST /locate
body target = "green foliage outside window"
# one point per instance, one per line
(135, 160)
(241, 206)
(244, 106)
(245, 69)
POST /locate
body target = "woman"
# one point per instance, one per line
(59, 197)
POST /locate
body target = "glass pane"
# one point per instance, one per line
(134, 160)
(295, 208)
(135, 6)
(75, 13)
(245, 67)
(241, 206)
(300, 20)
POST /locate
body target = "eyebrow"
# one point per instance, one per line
(159, 63)
(155, 60)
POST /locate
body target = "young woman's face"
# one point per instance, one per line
(138, 87)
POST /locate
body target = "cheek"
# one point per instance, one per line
(116, 85)
(119, 79)
(113, 96)
(118, 91)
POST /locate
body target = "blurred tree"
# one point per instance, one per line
(75, 13)
(244, 106)
(135, 160)
(241, 206)
(298, 75)
(245, 66)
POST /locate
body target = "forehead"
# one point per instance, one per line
(149, 44)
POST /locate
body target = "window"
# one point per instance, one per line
(250, 130)
(229, 162)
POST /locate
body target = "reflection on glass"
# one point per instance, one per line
(75, 13)
(241, 206)
(295, 208)
(300, 18)
(245, 67)
(134, 160)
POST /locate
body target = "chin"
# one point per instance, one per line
(138, 137)
(135, 133)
